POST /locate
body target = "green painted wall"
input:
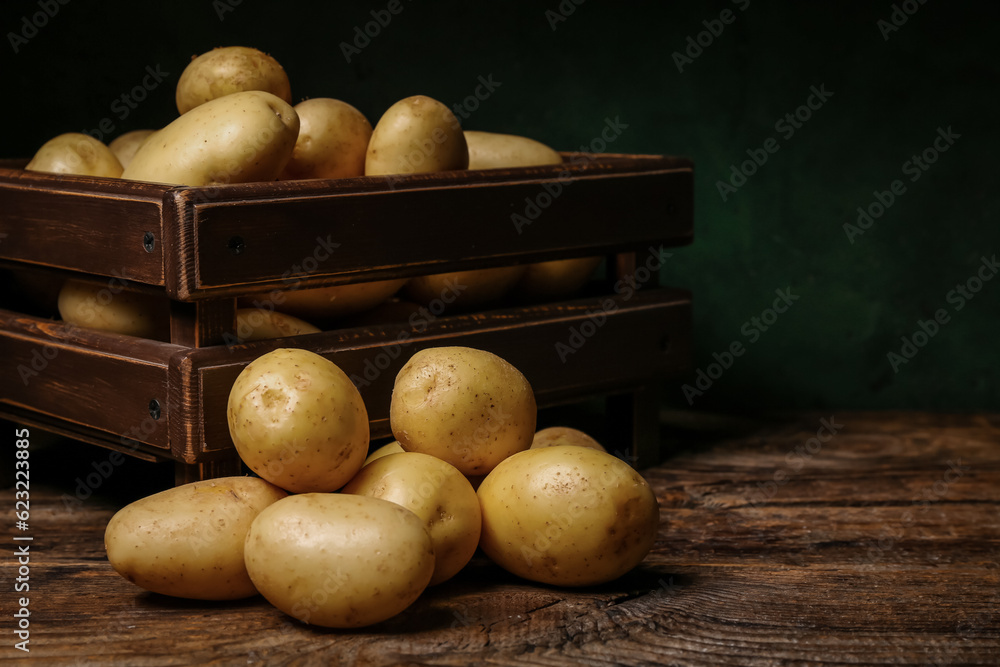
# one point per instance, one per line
(559, 80)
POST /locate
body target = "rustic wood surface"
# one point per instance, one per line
(834, 539)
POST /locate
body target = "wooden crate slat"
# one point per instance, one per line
(95, 379)
(619, 344)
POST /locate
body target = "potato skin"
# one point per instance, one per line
(95, 305)
(239, 138)
(437, 493)
(491, 150)
(75, 153)
(416, 135)
(263, 324)
(385, 450)
(298, 421)
(188, 541)
(464, 288)
(564, 435)
(338, 560)
(466, 406)
(567, 516)
(338, 300)
(230, 69)
(333, 140)
(556, 278)
(124, 146)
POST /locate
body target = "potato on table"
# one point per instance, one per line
(188, 541)
(75, 153)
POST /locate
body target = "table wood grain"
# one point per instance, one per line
(833, 539)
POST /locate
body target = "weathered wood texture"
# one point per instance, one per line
(863, 538)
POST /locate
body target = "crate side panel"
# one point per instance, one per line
(84, 386)
(95, 233)
(370, 236)
(585, 348)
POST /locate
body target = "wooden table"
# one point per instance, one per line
(861, 538)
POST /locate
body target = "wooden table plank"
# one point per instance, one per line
(882, 546)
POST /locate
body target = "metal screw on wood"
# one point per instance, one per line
(148, 241)
(154, 409)
(237, 245)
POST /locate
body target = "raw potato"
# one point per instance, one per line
(465, 406)
(338, 300)
(490, 150)
(298, 421)
(563, 435)
(239, 138)
(338, 560)
(567, 516)
(560, 277)
(188, 541)
(333, 140)
(416, 135)
(437, 493)
(392, 448)
(75, 153)
(263, 324)
(108, 307)
(125, 145)
(230, 69)
(462, 289)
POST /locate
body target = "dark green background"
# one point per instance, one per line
(782, 229)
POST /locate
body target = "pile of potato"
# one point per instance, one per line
(237, 125)
(333, 538)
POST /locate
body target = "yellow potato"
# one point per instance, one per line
(563, 435)
(437, 493)
(416, 135)
(338, 300)
(560, 277)
(392, 448)
(188, 541)
(567, 516)
(263, 324)
(490, 150)
(75, 153)
(125, 145)
(461, 289)
(230, 69)
(298, 421)
(465, 406)
(238, 138)
(333, 140)
(338, 560)
(107, 306)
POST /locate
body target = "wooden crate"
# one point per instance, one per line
(202, 247)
